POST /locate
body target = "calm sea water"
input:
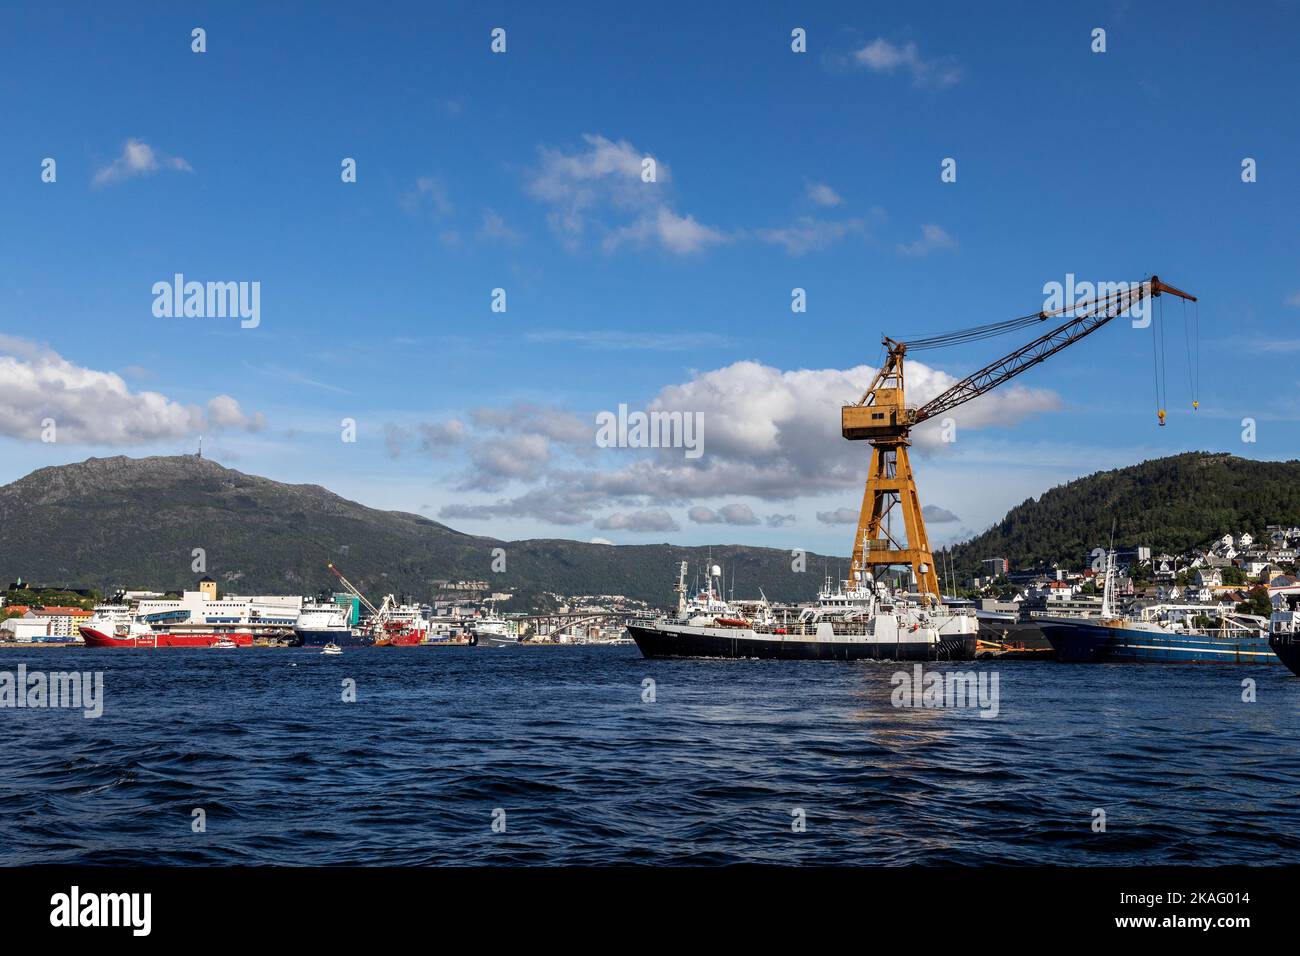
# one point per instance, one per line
(587, 773)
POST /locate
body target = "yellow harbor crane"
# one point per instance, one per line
(883, 417)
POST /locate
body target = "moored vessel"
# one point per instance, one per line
(327, 623)
(389, 625)
(1168, 633)
(490, 630)
(396, 625)
(195, 619)
(146, 635)
(1284, 632)
(861, 620)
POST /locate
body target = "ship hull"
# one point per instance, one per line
(1099, 643)
(687, 641)
(1287, 649)
(394, 638)
(309, 637)
(97, 638)
(1028, 634)
(494, 640)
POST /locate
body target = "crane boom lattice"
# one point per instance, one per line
(883, 418)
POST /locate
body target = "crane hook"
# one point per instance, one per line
(1195, 405)
(1161, 414)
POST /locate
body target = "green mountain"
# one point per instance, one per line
(1171, 504)
(126, 522)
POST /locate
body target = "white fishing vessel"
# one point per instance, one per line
(859, 620)
(493, 631)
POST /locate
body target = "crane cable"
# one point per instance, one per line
(977, 333)
(973, 334)
(1193, 358)
(1158, 358)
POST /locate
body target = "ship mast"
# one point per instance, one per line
(1108, 589)
(681, 592)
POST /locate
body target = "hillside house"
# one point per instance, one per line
(1209, 577)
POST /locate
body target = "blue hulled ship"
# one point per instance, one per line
(1135, 640)
(1160, 633)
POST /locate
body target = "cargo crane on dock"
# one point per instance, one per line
(352, 589)
(883, 418)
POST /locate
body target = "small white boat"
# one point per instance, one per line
(224, 644)
(331, 648)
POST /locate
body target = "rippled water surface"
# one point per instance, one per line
(586, 772)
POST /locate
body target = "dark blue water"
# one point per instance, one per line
(560, 739)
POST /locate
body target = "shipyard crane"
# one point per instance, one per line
(351, 589)
(883, 418)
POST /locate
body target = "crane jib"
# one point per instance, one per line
(883, 418)
(1090, 315)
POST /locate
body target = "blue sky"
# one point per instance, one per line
(776, 170)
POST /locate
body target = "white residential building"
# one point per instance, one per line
(1209, 577)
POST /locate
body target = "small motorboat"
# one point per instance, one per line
(331, 648)
(223, 644)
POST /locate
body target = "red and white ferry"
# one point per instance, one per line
(194, 620)
(140, 634)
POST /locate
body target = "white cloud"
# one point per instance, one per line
(494, 228)
(138, 159)
(768, 434)
(822, 194)
(936, 515)
(651, 520)
(499, 459)
(881, 56)
(600, 541)
(808, 233)
(678, 234)
(429, 195)
(528, 418)
(933, 239)
(738, 514)
(542, 504)
(437, 435)
(838, 516)
(224, 412)
(91, 407)
(600, 190)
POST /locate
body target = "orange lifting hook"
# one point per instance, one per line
(1161, 414)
